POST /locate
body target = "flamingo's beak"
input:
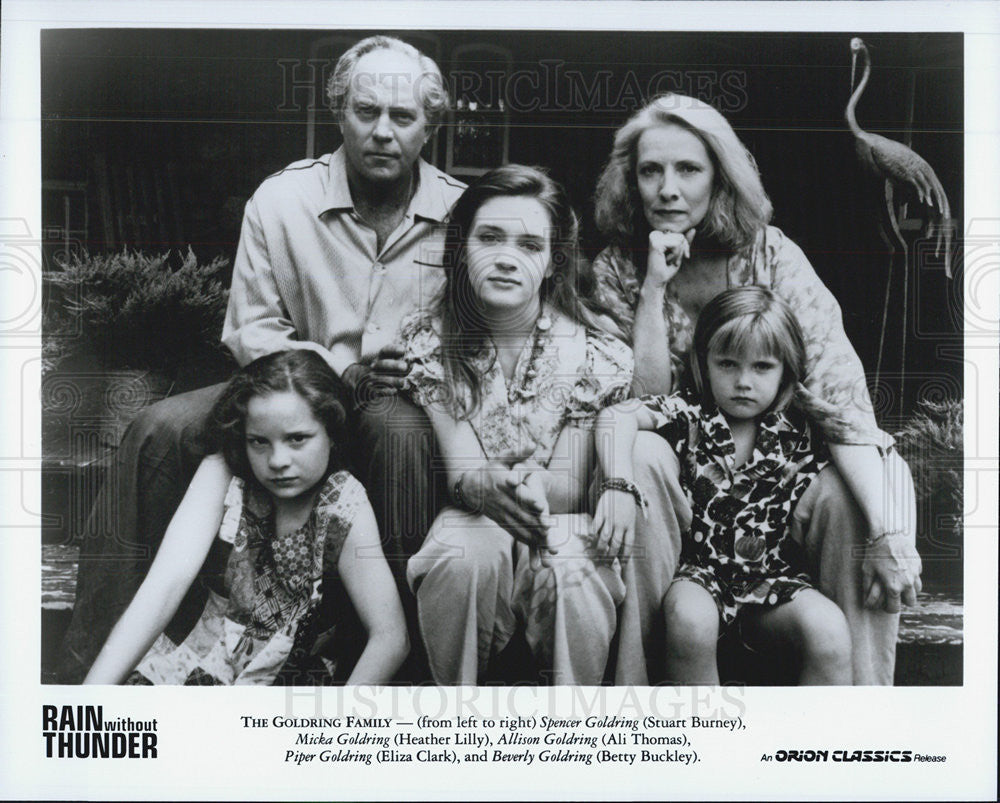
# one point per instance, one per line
(854, 64)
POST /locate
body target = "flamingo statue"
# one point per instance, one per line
(895, 163)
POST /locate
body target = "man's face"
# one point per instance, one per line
(383, 123)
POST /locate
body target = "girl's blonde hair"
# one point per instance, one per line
(744, 320)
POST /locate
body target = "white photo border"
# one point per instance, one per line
(205, 748)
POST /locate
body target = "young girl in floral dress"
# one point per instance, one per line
(290, 516)
(748, 452)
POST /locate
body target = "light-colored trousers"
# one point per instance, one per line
(827, 520)
(474, 586)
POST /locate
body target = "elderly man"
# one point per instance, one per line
(333, 253)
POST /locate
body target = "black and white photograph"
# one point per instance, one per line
(540, 391)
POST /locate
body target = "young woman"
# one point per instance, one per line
(512, 368)
(290, 514)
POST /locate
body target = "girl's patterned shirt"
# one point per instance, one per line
(740, 514)
(564, 376)
(267, 628)
(834, 372)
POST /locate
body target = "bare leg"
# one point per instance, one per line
(692, 621)
(816, 628)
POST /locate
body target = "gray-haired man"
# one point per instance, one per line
(333, 253)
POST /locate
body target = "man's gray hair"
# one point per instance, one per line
(430, 86)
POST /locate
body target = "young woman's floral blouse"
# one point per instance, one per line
(834, 371)
(564, 376)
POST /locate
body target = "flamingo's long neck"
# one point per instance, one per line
(852, 121)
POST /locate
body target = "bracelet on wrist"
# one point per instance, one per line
(873, 539)
(460, 499)
(625, 486)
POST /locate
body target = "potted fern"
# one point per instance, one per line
(121, 330)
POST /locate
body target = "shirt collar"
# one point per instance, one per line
(716, 430)
(774, 422)
(775, 427)
(428, 201)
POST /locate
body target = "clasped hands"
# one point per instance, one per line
(513, 492)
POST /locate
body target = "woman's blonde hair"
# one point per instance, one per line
(739, 207)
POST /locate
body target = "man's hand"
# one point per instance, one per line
(891, 572)
(383, 376)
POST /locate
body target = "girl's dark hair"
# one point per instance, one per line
(571, 288)
(298, 370)
(743, 319)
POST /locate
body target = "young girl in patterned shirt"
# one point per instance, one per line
(291, 516)
(747, 454)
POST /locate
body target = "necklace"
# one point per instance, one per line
(520, 390)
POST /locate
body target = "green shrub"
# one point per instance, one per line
(131, 310)
(931, 443)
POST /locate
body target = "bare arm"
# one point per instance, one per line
(565, 479)
(182, 552)
(891, 564)
(650, 337)
(615, 436)
(651, 341)
(614, 515)
(370, 586)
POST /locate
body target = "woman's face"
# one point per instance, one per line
(508, 253)
(674, 174)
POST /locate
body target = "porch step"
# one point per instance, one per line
(935, 619)
(929, 652)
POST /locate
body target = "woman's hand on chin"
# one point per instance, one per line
(667, 250)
